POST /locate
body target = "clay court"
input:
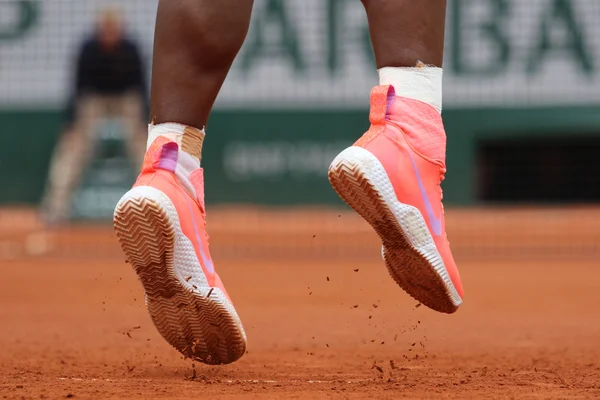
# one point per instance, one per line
(322, 316)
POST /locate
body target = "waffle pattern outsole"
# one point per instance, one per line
(408, 249)
(199, 321)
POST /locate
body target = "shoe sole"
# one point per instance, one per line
(408, 250)
(196, 319)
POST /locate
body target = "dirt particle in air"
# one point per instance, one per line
(327, 279)
(377, 367)
(375, 305)
(194, 375)
(356, 270)
(418, 305)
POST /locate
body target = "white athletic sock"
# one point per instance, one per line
(190, 142)
(423, 83)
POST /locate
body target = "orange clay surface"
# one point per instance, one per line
(320, 325)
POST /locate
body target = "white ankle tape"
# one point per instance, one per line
(421, 83)
(169, 130)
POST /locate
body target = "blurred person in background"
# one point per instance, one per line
(109, 84)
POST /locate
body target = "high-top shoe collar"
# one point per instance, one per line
(166, 155)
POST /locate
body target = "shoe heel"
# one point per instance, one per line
(147, 239)
(351, 175)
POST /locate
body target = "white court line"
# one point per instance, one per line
(229, 381)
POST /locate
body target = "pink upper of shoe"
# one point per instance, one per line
(158, 172)
(408, 138)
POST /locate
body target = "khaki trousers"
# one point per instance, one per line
(74, 151)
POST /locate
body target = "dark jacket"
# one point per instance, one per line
(107, 72)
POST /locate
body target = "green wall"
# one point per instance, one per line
(281, 157)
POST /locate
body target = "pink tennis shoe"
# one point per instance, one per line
(391, 177)
(160, 224)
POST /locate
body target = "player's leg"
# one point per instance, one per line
(404, 32)
(161, 221)
(392, 175)
(195, 44)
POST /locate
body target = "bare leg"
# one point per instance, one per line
(405, 32)
(196, 42)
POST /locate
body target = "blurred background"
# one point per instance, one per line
(521, 108)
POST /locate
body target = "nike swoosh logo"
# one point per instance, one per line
(434, 222)
(205, 260)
